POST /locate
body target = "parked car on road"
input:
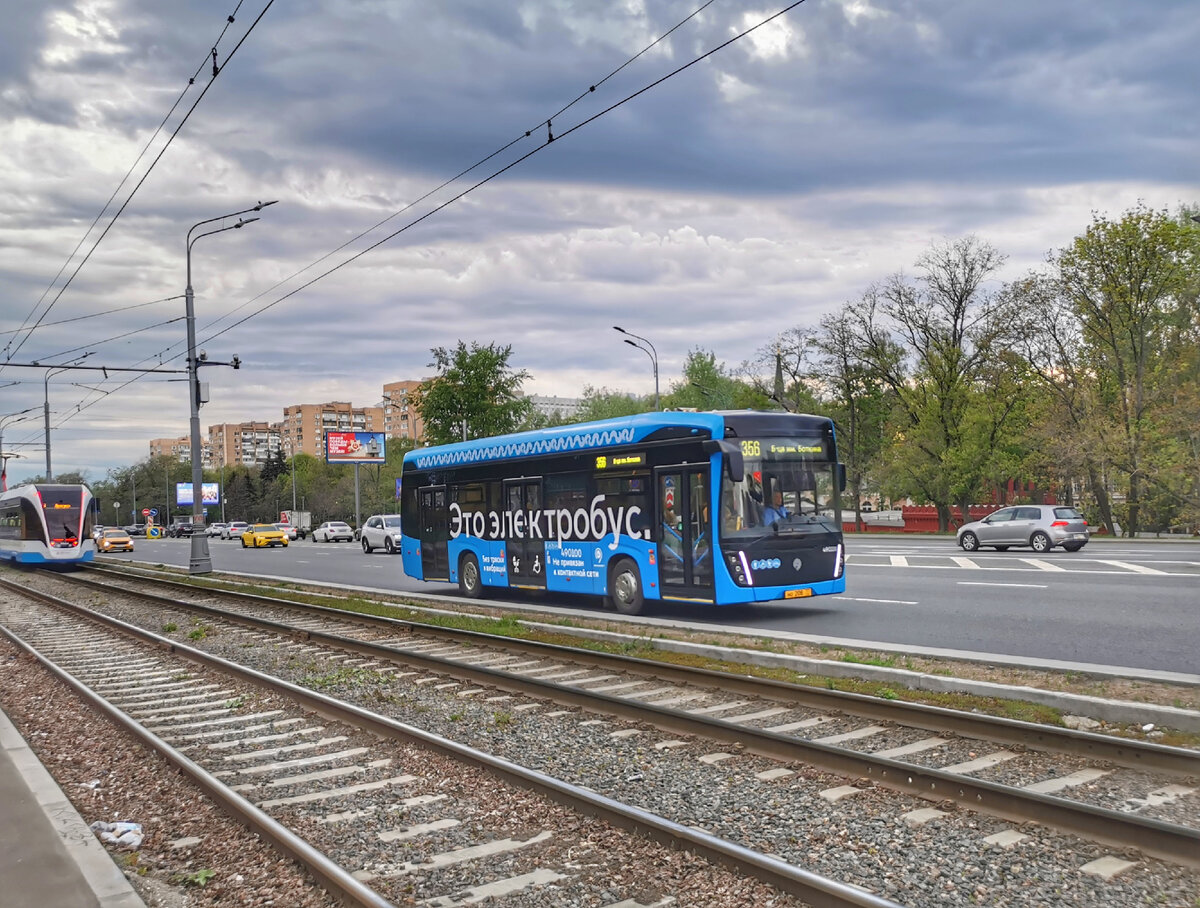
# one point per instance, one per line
(382, 531)
(114, 539)
(1038, 526)
(214, 529)
(333, 531)
(234, 529)
(263, 535)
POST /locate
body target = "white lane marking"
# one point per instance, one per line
(1044, 565)
(965, 562)
(885, 601)
(899, 560)
(1136, 568)
(1032, 586)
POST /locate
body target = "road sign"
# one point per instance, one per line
(154, 512)
(145, 512)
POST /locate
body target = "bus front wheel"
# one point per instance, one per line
(470, 581)
(625, 588)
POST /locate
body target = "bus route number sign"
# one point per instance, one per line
(620, 461)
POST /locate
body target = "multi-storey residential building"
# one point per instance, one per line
(304, 425)
(247, 443)
(400, 417)
(180, 449)
(567, 408)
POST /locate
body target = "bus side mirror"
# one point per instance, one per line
(841, 477)
(735, 466)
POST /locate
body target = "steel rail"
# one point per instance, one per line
(817, 891)
(1168, 841)
(1143, 755)
(338, 881)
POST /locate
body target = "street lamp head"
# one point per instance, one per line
(618, 328)
(242, 222)
(631, 343)
(261, 205)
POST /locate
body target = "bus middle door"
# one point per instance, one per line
(525, 544)
(684, 531)
(435, 533)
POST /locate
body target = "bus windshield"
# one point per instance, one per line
(790, 485)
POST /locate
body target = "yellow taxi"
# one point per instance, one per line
(262, 535)
(114, 540)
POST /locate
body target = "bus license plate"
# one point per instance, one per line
(797, 594)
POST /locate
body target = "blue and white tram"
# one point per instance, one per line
(46, 523)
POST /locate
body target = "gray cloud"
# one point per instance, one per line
(756, 191)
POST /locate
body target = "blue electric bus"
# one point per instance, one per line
(718, 508)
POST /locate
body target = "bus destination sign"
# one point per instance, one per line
(620, 461)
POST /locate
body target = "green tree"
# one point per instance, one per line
(933, 342)
(474, 393)
(709, 385)
(602, 403)
(1132, 285)
(858, 400)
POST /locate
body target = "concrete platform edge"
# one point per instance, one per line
(103, 877)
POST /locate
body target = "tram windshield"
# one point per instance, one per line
(62, 507)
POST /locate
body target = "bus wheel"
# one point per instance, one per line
(470, 582)
(625, 588)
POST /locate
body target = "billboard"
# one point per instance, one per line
(210, 493)
(354, 447)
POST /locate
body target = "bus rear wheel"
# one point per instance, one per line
(470, 581)
(625, 587)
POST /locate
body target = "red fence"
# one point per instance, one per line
(921, 520)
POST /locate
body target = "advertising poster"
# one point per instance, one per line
(211, 492)
(354, 447)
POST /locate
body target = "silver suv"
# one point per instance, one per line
(1039, 526)
(381, 531)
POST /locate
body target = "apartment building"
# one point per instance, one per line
(180, 449)
(400, 417)
(304, 425)
(247, 443)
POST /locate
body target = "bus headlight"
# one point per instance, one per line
(839, 562)
(739, 568)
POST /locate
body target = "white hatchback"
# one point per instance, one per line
(235, 529)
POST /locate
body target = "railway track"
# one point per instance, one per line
(380, 813)
(897, 753)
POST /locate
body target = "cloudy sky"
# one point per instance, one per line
(750, 193)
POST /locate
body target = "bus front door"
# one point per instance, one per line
(684, 532)
(524, 543)
(435, 534)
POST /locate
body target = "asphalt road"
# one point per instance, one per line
(1115, 603)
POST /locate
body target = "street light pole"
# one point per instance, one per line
(46, 386)
(649, 351)
(201, 560)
